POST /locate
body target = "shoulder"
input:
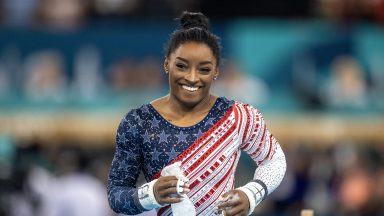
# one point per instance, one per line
(245, 107)
(136, 115)
(248, 111)
(224, 103)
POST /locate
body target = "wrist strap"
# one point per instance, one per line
(255, 193)
(147, 197)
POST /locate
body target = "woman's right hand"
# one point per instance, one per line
(165, 190)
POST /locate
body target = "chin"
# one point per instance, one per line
(190, 101)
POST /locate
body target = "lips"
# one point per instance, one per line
(190, 88)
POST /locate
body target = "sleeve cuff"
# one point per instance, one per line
(147, 197)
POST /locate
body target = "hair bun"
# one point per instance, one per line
(193, 20)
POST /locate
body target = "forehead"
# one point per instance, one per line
(194, 51)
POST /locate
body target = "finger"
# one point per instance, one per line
(243, 213)
(168, 192)
(227, 195)
(167, 178)
(167, 184)
(185, 190)
(179, 185)
(183, 183)
(171, 200)
(234, 211)
(182, 187)
(229, 203)
(172, 191)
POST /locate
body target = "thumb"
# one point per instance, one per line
(224, 197)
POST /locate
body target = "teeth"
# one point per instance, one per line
(189, 88)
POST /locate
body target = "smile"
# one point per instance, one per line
(190, 88)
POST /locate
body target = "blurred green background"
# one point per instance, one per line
(70, 70)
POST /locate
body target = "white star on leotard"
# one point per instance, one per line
(155, 122)
(122, 138)
(155, 154)
(182, 137)
(173, 154)
(163, 137)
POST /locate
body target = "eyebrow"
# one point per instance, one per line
(201, 63)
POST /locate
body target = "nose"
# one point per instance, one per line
(192, 76)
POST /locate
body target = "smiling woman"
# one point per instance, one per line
(196, 136)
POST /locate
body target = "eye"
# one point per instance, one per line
(205, 70)
(181, 66)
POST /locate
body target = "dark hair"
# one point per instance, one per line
(194, 27)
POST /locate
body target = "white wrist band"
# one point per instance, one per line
(251, 198)
(147, 197)
(255, 193)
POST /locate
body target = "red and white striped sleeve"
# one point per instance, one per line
(264, 149)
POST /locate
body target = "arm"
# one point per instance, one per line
(125, 169)
(123, 196)
(260, 144)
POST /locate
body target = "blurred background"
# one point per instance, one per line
(70, 70)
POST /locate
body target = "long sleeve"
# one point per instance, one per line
(264, 149)
(125, 169)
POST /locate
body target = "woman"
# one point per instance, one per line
(202, 132)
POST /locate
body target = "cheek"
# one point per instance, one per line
(173, 78)
(208, 81)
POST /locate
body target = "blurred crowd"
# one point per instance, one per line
(55, 181)
(347, 85)
(43, 76)
(343, 178)
(66, 14)
(60, 73)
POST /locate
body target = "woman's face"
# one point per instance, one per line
(192, 68)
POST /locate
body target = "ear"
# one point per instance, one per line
(217, 72)
(166, 66)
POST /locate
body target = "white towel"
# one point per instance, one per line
(185, 207)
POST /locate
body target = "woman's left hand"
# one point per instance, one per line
(234, 202)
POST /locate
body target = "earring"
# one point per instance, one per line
(215, 78)
(166, 71)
